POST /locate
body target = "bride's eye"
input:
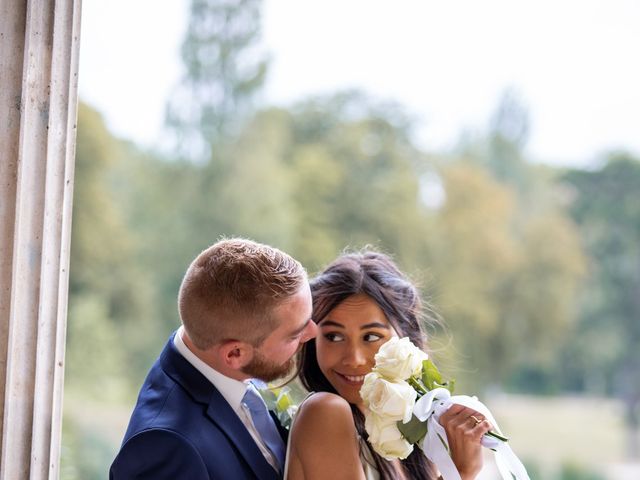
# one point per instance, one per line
(371, 337)
(334, 337)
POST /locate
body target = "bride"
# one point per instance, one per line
(359, 302)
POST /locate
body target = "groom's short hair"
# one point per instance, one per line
(230, 290)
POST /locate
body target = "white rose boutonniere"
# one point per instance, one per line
(279, 401)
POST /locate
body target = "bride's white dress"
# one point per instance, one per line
(368, 465)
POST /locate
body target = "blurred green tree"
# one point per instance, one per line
(183, 203)
(256, 197)
(474, 256)
(357, 179)
(109, 295)
(224, 69)
(332, 172)
(606, 206)
(532, 275)
(500, 279)
(155, 196)
(500, 150)
(86, 452)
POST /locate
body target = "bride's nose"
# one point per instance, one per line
(354, 357)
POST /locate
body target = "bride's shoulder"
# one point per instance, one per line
(323, 440)
(324, 410)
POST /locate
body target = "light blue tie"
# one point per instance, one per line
(264, 424)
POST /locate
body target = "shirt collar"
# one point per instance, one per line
(232, 390)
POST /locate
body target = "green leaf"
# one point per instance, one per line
(451, 385)
(284, 400)
(414, 430)
(430, 375)
(432, 378)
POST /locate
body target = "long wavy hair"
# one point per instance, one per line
(376, 275)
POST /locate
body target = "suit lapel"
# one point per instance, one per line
(223, 415)
(218, 410)
(284, 433)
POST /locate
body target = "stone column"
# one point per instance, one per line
(39, 46)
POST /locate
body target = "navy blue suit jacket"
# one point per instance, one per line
(183, 428)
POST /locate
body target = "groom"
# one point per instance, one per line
(245, 311)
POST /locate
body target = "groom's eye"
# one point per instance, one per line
(333, 337)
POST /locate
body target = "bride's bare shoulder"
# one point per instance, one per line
(325, 401)
(324, 411)
(323, 430)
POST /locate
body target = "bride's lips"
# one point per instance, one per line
(354, 380)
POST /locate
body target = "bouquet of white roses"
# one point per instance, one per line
(405, 396)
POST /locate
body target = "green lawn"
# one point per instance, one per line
(550, 431)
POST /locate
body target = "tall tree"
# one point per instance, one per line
(357, 178)
(499, 280)
(224, 70)
(331, 172)
(508, 134)
(501, 151)
(256, 197)
(606, 205)
(109, 295)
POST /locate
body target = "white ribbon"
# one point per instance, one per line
(435, 444)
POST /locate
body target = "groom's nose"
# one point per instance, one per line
(310, 332)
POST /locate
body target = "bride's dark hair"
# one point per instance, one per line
(376, 275)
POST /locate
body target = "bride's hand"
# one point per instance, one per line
(465, 428)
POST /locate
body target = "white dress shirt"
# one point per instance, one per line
(232, 390)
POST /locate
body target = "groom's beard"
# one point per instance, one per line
(264, 369)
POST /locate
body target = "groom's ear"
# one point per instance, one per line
(235, 354)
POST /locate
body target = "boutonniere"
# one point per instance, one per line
(279, 401)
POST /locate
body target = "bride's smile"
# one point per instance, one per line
(350, 335)
(355, 379)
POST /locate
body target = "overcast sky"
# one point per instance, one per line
(574, 63)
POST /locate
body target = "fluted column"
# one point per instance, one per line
(39, 46)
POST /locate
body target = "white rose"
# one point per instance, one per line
(367, 386)
(394, 401)
(375, 425)
(385, 438)
(399, 359)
